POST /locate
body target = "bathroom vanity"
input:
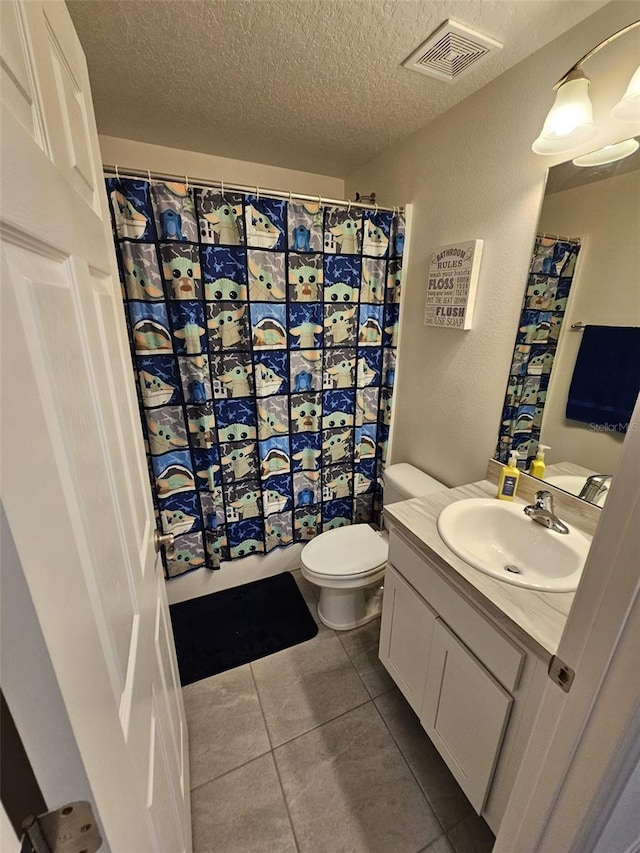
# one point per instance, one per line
(470, 653)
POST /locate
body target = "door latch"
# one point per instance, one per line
(69, 829)
(561, 673)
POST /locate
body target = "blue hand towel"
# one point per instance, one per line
(606, 378)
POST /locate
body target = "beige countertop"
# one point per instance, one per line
(537, 619)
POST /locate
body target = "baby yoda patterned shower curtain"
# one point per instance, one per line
(263, 335)
(543, 309)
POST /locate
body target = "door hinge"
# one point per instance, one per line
(561, 673)
(69, 829)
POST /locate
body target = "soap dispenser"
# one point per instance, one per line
(537, 465)
(509, 476)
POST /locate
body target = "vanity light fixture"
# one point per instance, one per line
(608, 154)
(628, 108)
(569, 123)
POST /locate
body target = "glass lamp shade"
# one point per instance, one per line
(608, 154)
(569, 123)
(628, 108)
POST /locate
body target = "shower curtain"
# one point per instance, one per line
(543, 310)
(263, 335)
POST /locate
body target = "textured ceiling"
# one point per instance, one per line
(315, 85)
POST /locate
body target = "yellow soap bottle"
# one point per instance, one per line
(537, 465)
(509, 476)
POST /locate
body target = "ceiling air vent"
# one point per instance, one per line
(451, 51)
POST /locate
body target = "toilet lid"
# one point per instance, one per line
(345, 551)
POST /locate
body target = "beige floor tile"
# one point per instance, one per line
(350, 791)
(304, 686)
(361, 644)
(441, 789)
(472, 835)
(226, 727)
(242, 812)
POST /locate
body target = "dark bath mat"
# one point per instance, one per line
(217, 632)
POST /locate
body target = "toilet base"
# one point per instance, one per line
(344, 609)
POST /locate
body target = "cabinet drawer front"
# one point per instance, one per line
(465, 713)
(496, 651)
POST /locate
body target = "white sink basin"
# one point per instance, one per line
(497, 538)
(573, 484)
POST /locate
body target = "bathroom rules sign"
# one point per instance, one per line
(451, 285)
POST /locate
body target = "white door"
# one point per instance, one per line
(75, 486)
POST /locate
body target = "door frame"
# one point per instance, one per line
(577, 762)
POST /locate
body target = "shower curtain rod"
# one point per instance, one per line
(559, 237)
(202, 183)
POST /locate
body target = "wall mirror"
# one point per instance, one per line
(576, 361)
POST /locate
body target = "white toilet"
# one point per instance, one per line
(348, 563)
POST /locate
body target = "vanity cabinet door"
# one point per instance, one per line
(465, 713)
(405, 637)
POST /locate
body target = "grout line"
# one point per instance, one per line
(320, 725)
(430, 845)
(273, 758)
(351, 661)
(407, 762)
(472, 815)
(249, 760)
(388, 690)
(231, 770)
(264, 718)
(286, 801)
(453, 846)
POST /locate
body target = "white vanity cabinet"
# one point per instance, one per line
(464, 712)
(469, 682)
(406, 633)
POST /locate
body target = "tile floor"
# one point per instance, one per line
(313, 750)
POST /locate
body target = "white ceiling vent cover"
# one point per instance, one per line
(451, 51)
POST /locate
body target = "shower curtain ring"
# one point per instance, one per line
(222, 188)
(319, 201)
(117, 175)
(290, 196)
(149, 175)
(349, 206)
(375, 212)
(257, 193)
(186, 183)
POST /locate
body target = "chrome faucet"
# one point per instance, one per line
(542, 512)
(595, 486)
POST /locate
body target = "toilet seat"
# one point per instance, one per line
(345, 553)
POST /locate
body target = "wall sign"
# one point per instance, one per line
(451, 285)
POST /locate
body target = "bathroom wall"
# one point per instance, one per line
(471, 173)
(158, 158)
(605, 292)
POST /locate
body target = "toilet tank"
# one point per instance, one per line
(403, 481)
